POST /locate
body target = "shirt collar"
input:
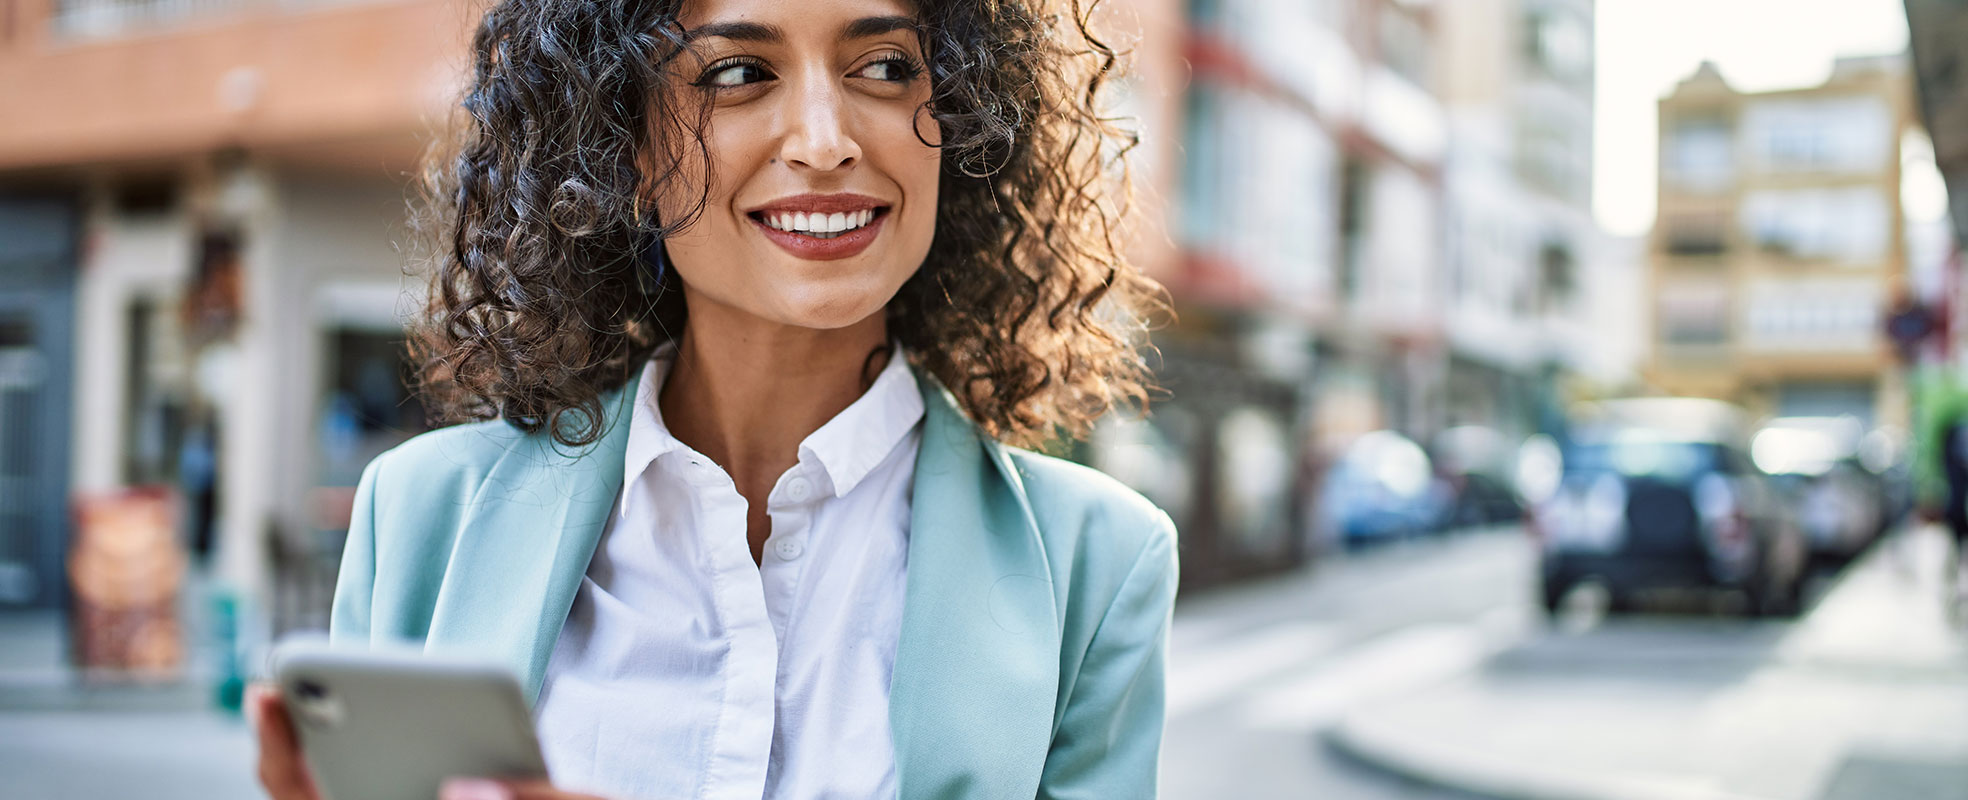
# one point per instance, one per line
(649, 438)
(847, 447)
(862, 436)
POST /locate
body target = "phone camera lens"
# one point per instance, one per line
(310, 691)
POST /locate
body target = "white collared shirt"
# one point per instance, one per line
(687, 671)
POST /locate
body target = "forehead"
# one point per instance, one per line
(792, 16)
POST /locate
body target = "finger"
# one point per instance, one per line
(531, 790)
(473, 789)
(281, 771)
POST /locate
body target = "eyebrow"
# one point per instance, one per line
(862, 28)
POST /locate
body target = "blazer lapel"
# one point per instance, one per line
(525, 543)
(977, 666)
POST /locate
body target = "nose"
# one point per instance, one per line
(818, 135)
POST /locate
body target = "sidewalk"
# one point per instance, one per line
(63, 739)
(1867, 697)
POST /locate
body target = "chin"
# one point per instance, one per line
(830, 310)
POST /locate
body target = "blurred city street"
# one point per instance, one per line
(65, 738)
(1420, 670)
(1256, 673)
(1561, 399)
(1403, 674)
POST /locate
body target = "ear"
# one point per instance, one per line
(672, 160)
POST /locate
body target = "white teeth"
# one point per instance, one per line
(825, 225)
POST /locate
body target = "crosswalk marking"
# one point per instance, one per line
(1203, 675)
(1398, 661)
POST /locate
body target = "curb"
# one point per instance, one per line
(1413, 754)
(1451, 768)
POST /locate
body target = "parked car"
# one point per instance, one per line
(1478, 462)
(1661, 493)
(1883, 452)
(1839, 504)
(1381, 487)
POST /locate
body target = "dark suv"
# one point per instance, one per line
(1661, 493)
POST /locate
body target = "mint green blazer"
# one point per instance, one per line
(1035, 618)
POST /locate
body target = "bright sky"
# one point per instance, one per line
(1646, 46)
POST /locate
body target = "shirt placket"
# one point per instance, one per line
(743, 741)
(788, 550)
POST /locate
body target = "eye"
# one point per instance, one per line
(733, 73)
(894, 67)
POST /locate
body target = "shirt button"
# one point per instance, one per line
(798, 489)
(788, 549)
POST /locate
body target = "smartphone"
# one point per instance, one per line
(383, 725)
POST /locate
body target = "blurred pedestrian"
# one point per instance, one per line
(751, 300)
(1954, 469)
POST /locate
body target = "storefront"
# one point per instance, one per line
(37, 290)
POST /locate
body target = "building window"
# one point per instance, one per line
(1203, 169)
(1693, 315)
(1818, 315)
(1848, 225)
(1352, 226)
(1696, 235)
(1557, 278)
(1404, 45)
(1836, 134)
(1559, 42)
(1699, 155)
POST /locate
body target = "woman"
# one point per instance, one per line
(804, 270)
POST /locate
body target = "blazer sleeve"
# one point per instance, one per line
(1109, 740)
(349, 615)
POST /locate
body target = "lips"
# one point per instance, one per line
(814, 247)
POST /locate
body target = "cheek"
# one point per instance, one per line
(722, 163)
(917, 168)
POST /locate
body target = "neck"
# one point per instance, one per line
(746, 392)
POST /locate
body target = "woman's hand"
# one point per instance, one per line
(282, 772)
(285, 777)
(483, 789)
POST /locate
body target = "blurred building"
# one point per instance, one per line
(1939, 41)
(202, 204)
(1306, 228)
(1372, 215)
(1527, 269)
(202, 269)
(1780, 242)
(1382, 221)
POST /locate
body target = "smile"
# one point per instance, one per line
(819, 226)
(817, 236)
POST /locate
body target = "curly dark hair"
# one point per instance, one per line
(540, 299)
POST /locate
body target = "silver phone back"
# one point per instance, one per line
(384, 726)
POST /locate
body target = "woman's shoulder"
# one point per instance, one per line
(453, 456)
(454, 448)
(1089, 518)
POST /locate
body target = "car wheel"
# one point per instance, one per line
(1554, 595)
(1768, 597)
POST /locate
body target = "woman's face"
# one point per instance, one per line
(822, 199)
